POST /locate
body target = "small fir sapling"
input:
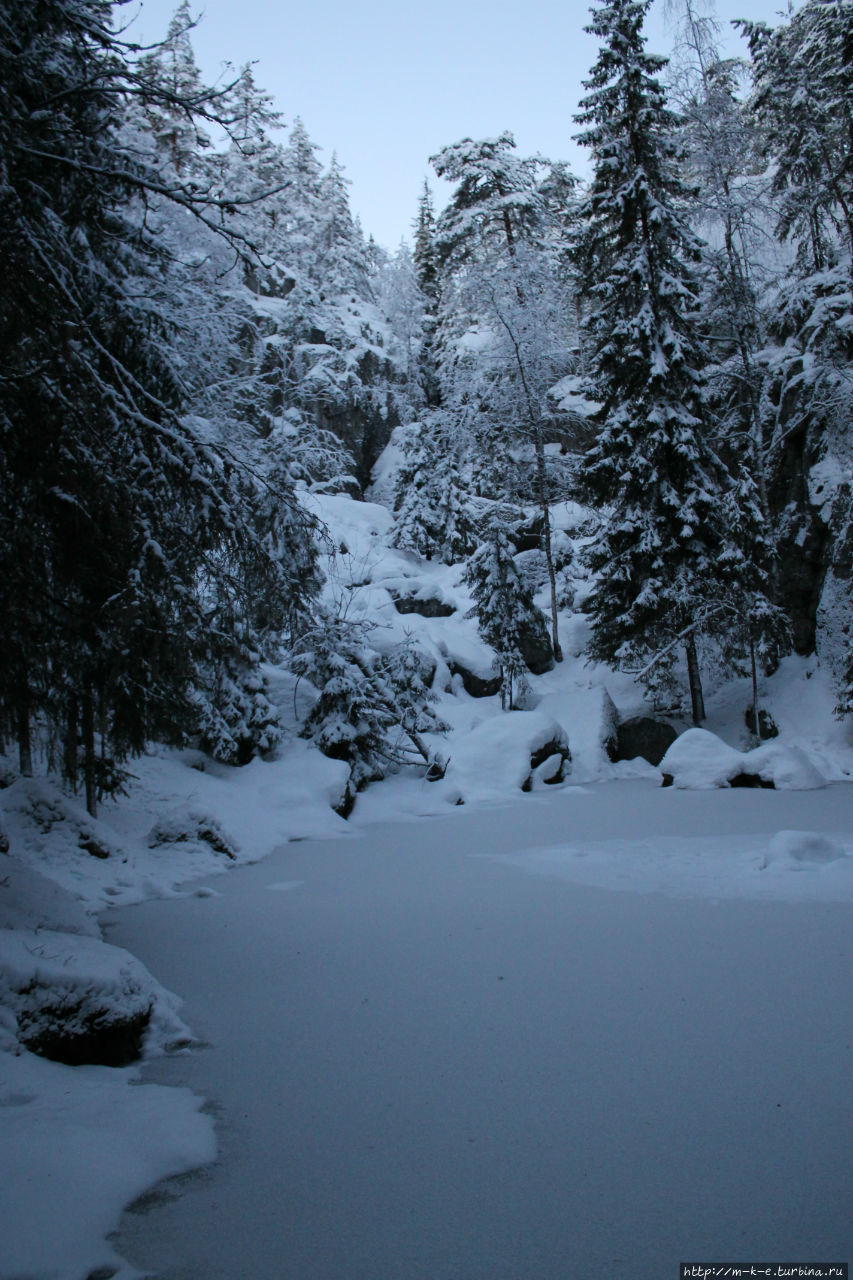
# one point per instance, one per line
(504, 609)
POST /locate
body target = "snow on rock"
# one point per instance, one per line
(503, 754)
(699, 759)
(30, 900)
(77, 999)
(183, 825)
(357, 529)
(386, 468)
(785, 765)
(36, 814)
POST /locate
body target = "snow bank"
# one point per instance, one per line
(493, 761)
(76, 1145)
(699, 759)
(31, 901)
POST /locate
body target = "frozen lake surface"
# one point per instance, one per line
(435, 1053)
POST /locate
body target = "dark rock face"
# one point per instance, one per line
(527, 536)
(766, 724)
(476, 686)
(346, 804)
(556, 748)
(641, 736)
(752, 780)
(428, 608)
(536, 650)
(802, 569)
(106, 1041)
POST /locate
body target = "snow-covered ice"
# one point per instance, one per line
(453, 1053)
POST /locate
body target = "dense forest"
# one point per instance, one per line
(196, 332)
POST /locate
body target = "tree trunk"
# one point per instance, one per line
(545, 507)
(541, 479)
(695, 681)
(89, 758)
(756, 732)
(25, 750)
(70, 762)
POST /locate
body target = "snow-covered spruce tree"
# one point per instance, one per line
(803, 90)
(126, 547)
(174, 114)
(651, 467)
(432, 500)
(506, 616)
(425, 258)
(731, 208)
(752, 632)
(342, 253)
(410, 673)
(357, 717)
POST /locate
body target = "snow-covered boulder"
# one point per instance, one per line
(183, 825)
(516, 750)
(424, 600)
(699, 759)
(787, 767)
(79, 1000)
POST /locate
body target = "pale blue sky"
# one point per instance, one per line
(387, 84)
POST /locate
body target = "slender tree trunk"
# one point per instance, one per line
(25, 750)
(545, 507)
(756, 731)
(541, 480)
(102, 730)
(695, 680)
(89, 758)
(70, 762)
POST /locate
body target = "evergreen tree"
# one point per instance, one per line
(358, 716)
(651, 465)
(425, 252)
(425, 257)
(803, 99)
(722, 155)
(342, 259)
(495, 198)
(504, 609)
(803, 79)
(173, 114)
(407, 310)
(431, 506)
(125, 537)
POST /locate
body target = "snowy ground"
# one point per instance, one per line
(735, 933)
